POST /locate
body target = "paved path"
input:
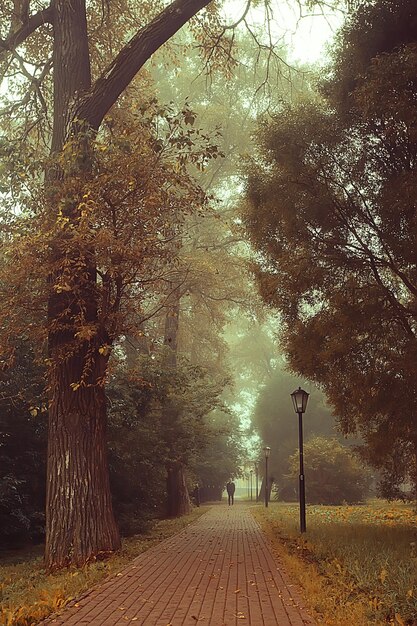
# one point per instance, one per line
(219, 571)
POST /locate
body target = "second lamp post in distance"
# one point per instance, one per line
(267, 451)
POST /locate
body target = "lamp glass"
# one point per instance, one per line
(267, 451)
(299, 399)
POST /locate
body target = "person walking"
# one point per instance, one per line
(230, 488)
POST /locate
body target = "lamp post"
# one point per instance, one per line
(256, 481)
(300, 398)
(251, 473)
(267, 451)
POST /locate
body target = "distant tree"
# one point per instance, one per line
(221, 456)
(276, 422)
(333, 205)
(136, 456)
(334, 475)
(177, 414)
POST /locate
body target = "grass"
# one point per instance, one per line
(357, 564)
(29, 594)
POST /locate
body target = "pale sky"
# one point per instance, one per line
(307, 36)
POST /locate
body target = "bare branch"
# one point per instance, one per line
(35, 86)
(240, 19)
(33, 23)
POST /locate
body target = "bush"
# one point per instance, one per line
(334, 474)
(22, 450)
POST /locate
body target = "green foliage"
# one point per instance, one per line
(332, 205)
(159, 415)
(221, 456)
(277, 424)
(334, 474)
(22, 450)
(136, 461)
(372, 30)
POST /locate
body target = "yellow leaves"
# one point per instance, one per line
(86, 332)
(399, 620)
(50, 600)
(375, 603)
(62, 221)
(35, 410)
(62, 287)
(104, 350)
(383, 575)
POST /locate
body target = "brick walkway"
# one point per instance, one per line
(217, 572)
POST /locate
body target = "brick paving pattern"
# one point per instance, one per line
(219, 571)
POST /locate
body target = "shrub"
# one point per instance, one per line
(333, 472)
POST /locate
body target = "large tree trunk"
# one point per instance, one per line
(80, 521)
(414, 475)
(178, 499)
(79, 518)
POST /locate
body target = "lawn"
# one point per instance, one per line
(28, 594)
(357, 564)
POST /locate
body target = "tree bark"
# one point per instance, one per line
(171, 326)
(80, 522)
(178, 500)
(415, 475)
(119, 74)
(71, 62)
(79, 517)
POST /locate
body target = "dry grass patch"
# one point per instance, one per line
(356, 564)
(29, 594)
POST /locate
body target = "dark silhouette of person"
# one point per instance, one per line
(196, 495)
(230, 488)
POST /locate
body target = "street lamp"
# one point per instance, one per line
(267, 451)
(251, 473)
(299, 399)
(256, 482)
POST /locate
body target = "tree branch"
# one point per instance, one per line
(132, 57)
(33, 23)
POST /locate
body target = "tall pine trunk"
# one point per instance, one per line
(178, 499)
(79, 518)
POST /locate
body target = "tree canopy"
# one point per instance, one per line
(332, 205)
(97, 194)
